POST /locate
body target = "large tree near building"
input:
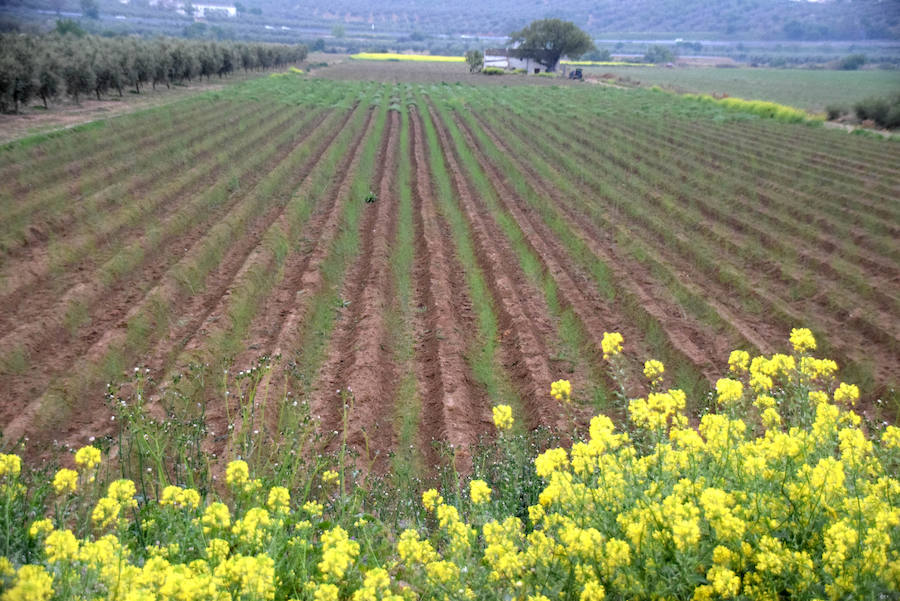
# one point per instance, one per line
(547, 40)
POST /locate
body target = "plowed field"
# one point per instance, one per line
(511, 228)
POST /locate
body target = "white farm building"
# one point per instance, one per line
(508, 58)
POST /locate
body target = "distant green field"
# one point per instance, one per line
(811, 90)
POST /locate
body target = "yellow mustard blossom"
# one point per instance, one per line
(503, 417)
(550, 461)
(771, 418)
(376, 584)
(217, 550)
(593, 591)
(890, 438)
(250, 577)
(313, 508)
(413, 550)
(656, 411)
(847, 394)
(216, 517)
(123, 492)
(479, 491)
(611, 343)
(326, 592)
(330, 476)
(33, 583)
(803, 340)
(279, 500)
(729, 391)
(65, 481)
(431, 499)
(253, 528)
(106, 512)
(724, 581)
(738, 361)
(338, 553)
(561, 390)
(61, 545)
(182, 498)
(39, 528)
(87, 458)
(237, 473)
(442, 572)
(654, 370)
(10, 466)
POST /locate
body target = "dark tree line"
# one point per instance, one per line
(56, 65)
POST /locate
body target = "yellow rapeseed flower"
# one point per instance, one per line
(33, 583)
(503, 418)
(279, 500)
(803, 340)
(216, 517)
(611, 344)
(87, 458)
(123, 492)
(65, 481)
(106, 512)
(183, 498)
(479, 491)
(237, 473)
(654, 370)
(313, 508)
(729, 391)
(846, 393)
(330, 476)
(738, 361)
(61, 545)
(561, 390)
(431, 499)
(40, 527)
(338, 553)
(10, 466)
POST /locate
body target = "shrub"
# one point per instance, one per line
(835, 111)
(885, 112)
(852, 62)
(493, 71)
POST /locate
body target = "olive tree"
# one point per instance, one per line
(548, 40)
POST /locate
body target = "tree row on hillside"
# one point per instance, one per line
(56, 65)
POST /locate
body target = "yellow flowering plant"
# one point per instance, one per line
(778, 493)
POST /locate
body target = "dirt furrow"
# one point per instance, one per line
(693, 340)
(574, 288)
(526, 334)
(70, 187)
(38, 281)
(455, 410)
(276, 328)
(163, 290)
(42, 317)
(759, 330)
(870, 325)
(359, 359)
(72, 168)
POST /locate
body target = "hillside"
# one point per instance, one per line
(278, 20)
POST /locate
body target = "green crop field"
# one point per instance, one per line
(282, 311)
(807, 89)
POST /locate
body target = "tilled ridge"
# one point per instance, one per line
(360, 360)
(526, 334)
(278, 328)
(165, 290)
(455, 410)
